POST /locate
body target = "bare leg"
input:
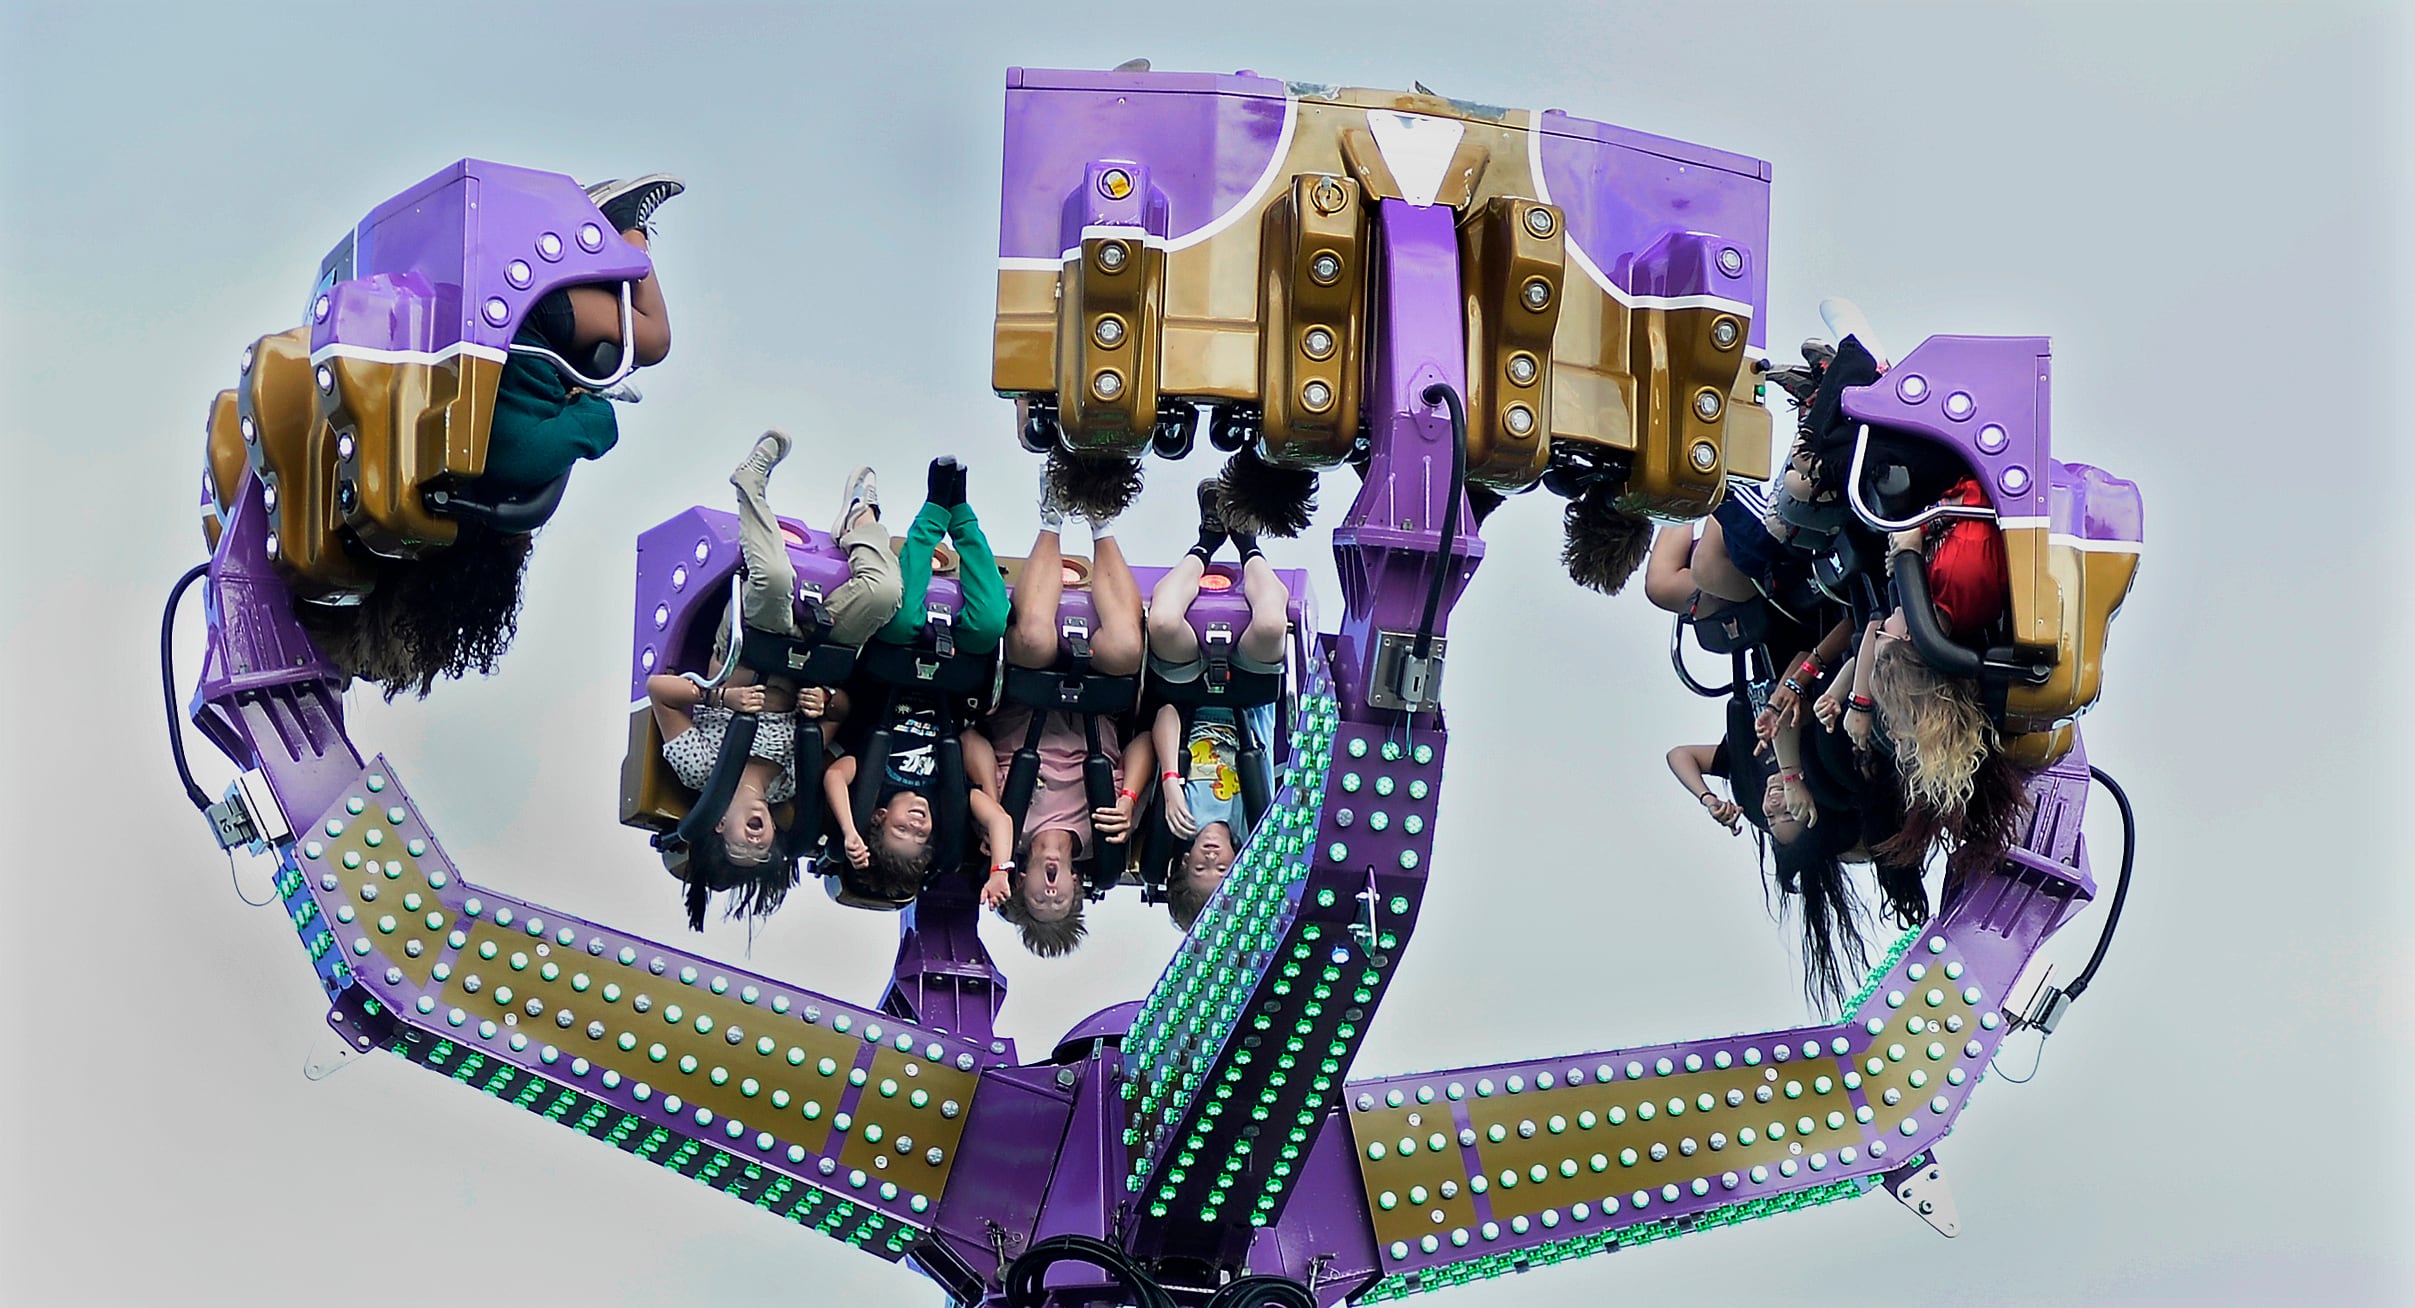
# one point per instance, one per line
(1170, 636)
(1668, 574)
(1713, 573)
(1117, 643)
(1031, 621)
(1269, 611)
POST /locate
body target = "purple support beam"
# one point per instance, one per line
(1386, 549)
(944, 979)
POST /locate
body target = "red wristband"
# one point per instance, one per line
(1169, 775)
(1128, 794)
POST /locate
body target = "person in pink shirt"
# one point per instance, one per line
(1039, 888)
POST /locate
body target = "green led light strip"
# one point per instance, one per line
(774, 1192)
(1192, 1011)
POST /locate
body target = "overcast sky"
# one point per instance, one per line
(2206, 207)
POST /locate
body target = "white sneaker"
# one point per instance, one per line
(1052, 510)
(862, 492)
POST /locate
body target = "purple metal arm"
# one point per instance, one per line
(1479, 1171)
(842, 1118)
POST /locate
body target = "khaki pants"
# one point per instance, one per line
(859, 607)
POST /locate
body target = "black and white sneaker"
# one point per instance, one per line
(631, 204)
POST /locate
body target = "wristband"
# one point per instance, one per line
(1810, 668)
(1793, 685)
(1863, 702)
(1128, 794)
(1169, 775)
(996, 868)
(1704, 796)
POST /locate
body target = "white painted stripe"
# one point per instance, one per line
(1576, 252)
(1720, 302)
(2069, 541)
(369, 354)
(1248, 203)
(2086, 545)
(1242, 208)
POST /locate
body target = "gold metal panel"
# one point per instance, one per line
(1107, 384)
(1319, 225)
(651, 796)
(892, 1137)
(225, 459)
(783, 1074)
(1918, 1066)
(1600, 1140)
(1215, 335)
(1506, 248)
(2085, 588)
(294, 452)
(410, 424)
(1420, 1190)
(1024, 354)
(386, 895)
(1679, 366)
(2041, 749)
(1751, 433)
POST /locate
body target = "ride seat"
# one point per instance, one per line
(652, 798)
(2088, 558)
(1242, 216)
(1071, 687)
(293, 451)
(402, 425)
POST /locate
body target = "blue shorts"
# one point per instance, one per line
(1749, 545)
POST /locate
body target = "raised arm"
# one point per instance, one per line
(1691, 764)
(838, 777)
(998, 832)
(675, 700)
(1860, 715)
(1787, 745)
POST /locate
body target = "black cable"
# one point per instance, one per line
(1025, 1281)
(167, 683)
(1442, 393)
(2121, 887)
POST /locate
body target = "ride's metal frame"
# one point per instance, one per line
(1207, 1130)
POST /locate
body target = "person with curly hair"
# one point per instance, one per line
(454, 610)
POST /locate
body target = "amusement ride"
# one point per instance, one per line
(1452, 300)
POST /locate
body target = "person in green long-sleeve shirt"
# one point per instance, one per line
(981, 618)
(452, 611)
